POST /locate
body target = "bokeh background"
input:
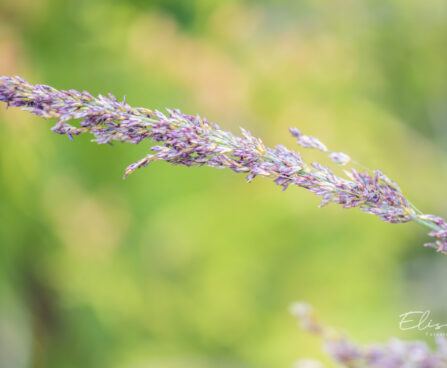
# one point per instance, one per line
(192, 267)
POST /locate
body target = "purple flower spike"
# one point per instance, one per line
(193, 141)
(393, 354)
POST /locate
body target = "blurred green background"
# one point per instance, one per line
(193, 268)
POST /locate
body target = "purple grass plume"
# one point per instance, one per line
(193, 141)
(344, 353)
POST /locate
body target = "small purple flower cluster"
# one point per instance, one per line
(439, 226)
(394, 354)
(193, 141)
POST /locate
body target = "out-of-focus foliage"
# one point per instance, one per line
(178, 267)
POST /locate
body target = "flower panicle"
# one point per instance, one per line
(345, 353)
(188, 140)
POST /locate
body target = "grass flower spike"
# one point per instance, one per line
(394, 354)
(193, 141)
